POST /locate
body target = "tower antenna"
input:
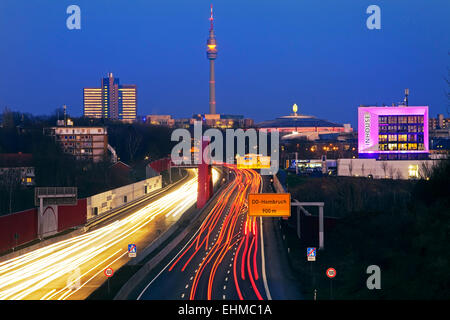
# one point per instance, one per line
(211, 53)
(211, 18)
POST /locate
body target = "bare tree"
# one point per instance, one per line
(134, 141)
(10, 180)
(350, 167)
(391, 172)
(398, 174)
(385, 167)
(425, 170)
(363, 169)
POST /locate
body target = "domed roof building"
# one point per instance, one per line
(300, 125)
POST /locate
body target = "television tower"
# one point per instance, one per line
(211, 53)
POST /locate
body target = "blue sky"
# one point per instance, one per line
(318, 54)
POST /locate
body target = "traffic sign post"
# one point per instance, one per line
(132, 250)
(269, 205)
(311, 254)
(331, 273)
(108, 273)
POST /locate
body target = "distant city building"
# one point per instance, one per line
(17, 168)
(84, 143)
(299, 125)
(111, 101)
(439, 122)
(393, 133)
(184, 122)
(223, 121)
(160, 120)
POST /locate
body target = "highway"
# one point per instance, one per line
(223, 258)
(74, 268)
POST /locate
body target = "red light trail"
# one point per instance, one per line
(230, 234)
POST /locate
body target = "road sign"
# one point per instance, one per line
(132, 250)
(253, 161)
(269, 204)
(331, 273)
(311, 254)
(108, 272)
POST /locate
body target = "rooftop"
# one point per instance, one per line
(297, 121)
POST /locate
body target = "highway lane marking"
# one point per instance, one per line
(182, 249)
(170, 262)
(263, 266)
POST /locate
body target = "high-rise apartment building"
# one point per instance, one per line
(111, 101)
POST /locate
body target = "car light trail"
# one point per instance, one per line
(44, 273)
(228, 236)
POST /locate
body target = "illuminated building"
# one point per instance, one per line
(439, 123)
(393, 133)
(84, 143)
(111, 100)
(160, 120)
(17, 168)
(299, 125)
(223, 121)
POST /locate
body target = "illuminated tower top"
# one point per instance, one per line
(211, 50)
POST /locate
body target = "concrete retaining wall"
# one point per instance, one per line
(112, 199)
(398, 169)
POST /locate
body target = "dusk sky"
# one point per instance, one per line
(271, 54)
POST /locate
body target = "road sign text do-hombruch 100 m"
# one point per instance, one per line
(269, 204)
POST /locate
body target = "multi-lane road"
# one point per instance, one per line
(224, 257)
(73, 268)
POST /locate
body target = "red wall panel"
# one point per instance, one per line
(72, 216)
(23, 223)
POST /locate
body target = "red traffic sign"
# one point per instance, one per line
(331, 273)
(108, 272)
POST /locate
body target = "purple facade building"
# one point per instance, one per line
(393, 133)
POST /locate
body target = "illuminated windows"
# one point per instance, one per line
(392, 119)
(392, 137)
(400, 133)
(413, 171)
(412, 146)
(392, 146)
(403, 119)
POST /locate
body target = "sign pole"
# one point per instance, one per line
(331, 289)
(331, 273)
